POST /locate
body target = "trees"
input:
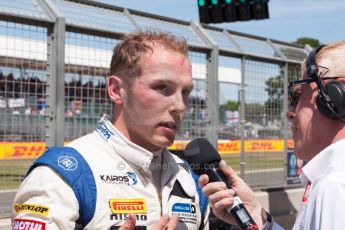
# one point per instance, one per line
(310, 41)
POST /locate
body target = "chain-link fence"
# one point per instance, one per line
(54, 59)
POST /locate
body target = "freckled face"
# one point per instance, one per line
(156, 102)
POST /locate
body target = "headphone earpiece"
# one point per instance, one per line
(332, 102)
(331, 98)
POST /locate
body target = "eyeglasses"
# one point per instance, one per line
(295, 95)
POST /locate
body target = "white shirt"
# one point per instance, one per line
(324, 208)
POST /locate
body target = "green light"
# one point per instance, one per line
(201, 2)
(214, 2)
(228, 1)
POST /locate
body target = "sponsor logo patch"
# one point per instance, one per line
(126, 206)
(183, 207)
(186, 212)
(24, 224)
(130, 178)
(133, 179)
(32, 208)
(68, 163)
(104, 131)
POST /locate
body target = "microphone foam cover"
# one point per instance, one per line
(200, 152)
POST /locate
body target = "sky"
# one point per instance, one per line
(289, 19)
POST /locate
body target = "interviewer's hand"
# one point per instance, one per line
(221, 197)
(165, 222)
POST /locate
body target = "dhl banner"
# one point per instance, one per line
(21, 150)
(30, 150)
(234, 146)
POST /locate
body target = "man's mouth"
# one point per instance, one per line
(170, 125)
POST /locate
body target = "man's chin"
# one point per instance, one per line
(165, 142)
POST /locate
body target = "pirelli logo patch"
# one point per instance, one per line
(137, 205)
(33, 208)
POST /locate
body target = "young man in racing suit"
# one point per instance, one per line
(121, 176)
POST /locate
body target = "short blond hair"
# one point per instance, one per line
(129, 53)
(332, 56)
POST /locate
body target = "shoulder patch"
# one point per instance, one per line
(71, 165)
(68, 163)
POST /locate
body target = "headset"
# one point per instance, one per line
(330, 100)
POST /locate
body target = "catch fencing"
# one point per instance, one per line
(54, 60)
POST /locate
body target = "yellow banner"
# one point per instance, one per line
(21, 150)
(30, 150)
(234, 146)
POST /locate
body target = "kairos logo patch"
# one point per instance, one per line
(129, 178)
(133, 178)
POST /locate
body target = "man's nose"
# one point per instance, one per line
(290, 113)
(179, 103)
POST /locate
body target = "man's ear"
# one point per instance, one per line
(115, 91)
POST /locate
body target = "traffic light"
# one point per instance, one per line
(229, 11)
(259, 9)
(215, 10)
(218, 11)
(203, 11)
(243, 10)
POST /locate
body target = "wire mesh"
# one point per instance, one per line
(23, 81)
(264, 118)
(195, 121)
(23, 55)
(87, 63)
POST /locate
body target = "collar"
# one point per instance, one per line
(140, 158)
(332, 158)
(179, 168)
(132, 153)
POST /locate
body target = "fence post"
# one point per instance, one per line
(212, 87)
(242, 117)
(54, 117)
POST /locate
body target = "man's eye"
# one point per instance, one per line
(186, 93)
(162, 89)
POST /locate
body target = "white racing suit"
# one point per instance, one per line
(97, 180)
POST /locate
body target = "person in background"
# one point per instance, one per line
(317, 117)
(121, 176)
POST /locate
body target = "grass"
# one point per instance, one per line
(12, 172)
(255, 161)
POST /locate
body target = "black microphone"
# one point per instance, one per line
(204, 159)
